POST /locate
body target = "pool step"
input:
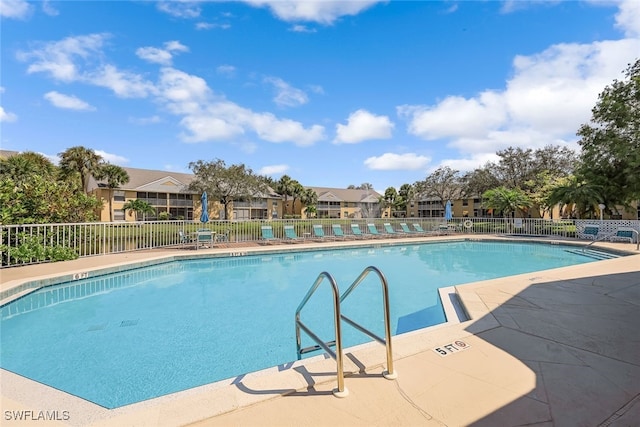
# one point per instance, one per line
(317, 347)
(591, 253)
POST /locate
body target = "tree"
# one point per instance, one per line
(80, 162)
(23, 166)
(296, 194)
(610, 156)
(226, 184)
(138, 206)
(580, 198)
(115, 177)
(507, 200)
(285, 186)
(478, 181)
(443, 184)
(41, 200)
(310, 199)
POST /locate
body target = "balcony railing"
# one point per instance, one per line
(36, 243)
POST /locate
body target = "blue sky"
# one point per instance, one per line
(329, 93)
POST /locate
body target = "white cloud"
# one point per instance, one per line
(392, 161)
(58, 58)
(123, 83)
(6, 116)
(180, 8)
(15, 9)
(273, 170)
(302, 29)
(161, 56)
(49, 9)
(68, 102)
(226, 70)
(548, 97)
(286, 95)
(112, 158)
(468, 164)
(323, 12)
(207, 117)
(210, 25)
(362, 125)
(628, 18)
(145, 120)
(204, 115)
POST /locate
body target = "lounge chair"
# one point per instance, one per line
(267, 234)
(290, 234)
(626, 234)
(355, 229)
(318, 232)
(373, 231)
(418, 228)
(390, 231)
(591, 231)
(337, 231)
(406, 230)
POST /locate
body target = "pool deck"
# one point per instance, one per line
(557, 347)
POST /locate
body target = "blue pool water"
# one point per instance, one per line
(122, 338)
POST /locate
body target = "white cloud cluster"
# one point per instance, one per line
(363, 125)
(391, 161)
(6, 116)
(287, 95)
(207, 117)
(628, 18)
(112, 158)
(273, 170)
(15, 9)
(203, 116)
(180, 8)
(548, 97)
(320, 11)
(67, 102)
(226, 70)
(161, 56)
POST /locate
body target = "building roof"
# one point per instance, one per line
(326, 194)
(7, 153)
(154, 181)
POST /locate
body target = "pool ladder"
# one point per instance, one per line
(337, 355)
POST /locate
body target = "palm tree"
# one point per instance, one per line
(584, 196)
(139, 207)
(296, 194)
(115, 177)
(310, 199)
(285, 187)
(82, 162)
(507, 200)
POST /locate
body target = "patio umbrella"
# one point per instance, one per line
(204, 216)
(447, 211)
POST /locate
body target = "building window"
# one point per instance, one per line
(465, 202)
(118, 196)
(118, 214)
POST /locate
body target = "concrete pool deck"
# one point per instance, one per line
(557, 347)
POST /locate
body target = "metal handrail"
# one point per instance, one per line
(390, 373)
(341, 391)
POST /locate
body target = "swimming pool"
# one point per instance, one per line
(130, 336)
